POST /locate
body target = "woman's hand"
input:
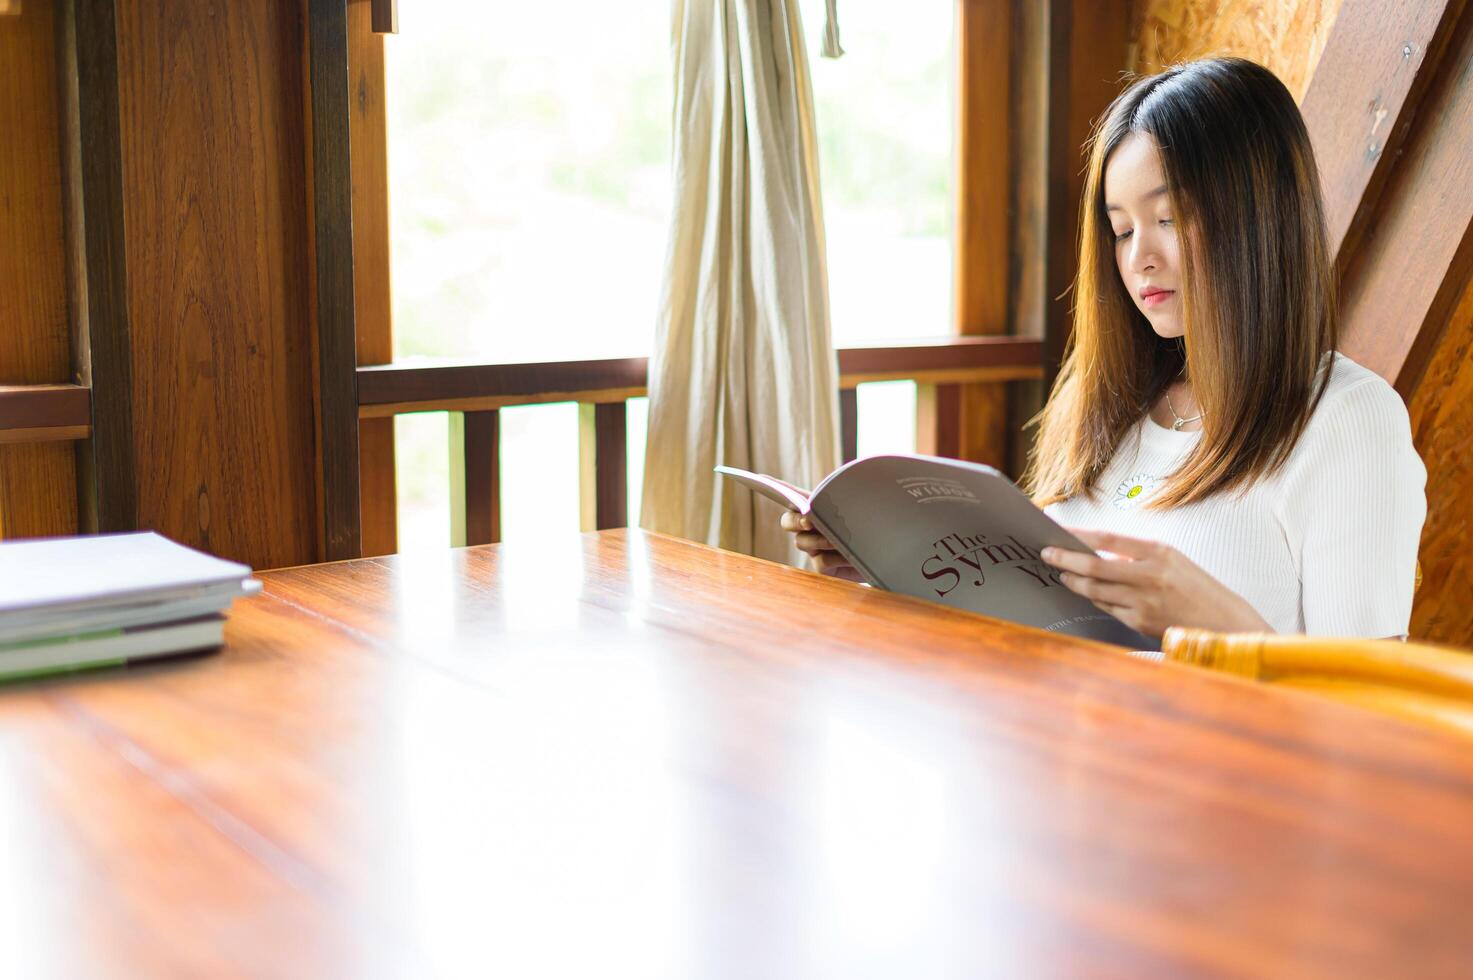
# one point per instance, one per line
(1150, 586)
(825, 558)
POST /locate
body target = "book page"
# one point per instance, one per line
(778, 491)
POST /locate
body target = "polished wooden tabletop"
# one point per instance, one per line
(626, 755)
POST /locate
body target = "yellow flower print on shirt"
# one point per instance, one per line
(1133, 491)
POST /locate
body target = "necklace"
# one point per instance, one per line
(1177, 420)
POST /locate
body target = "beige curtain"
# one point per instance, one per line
(743, 371)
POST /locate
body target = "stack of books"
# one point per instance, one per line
(102, 600)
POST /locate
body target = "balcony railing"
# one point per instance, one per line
(473, 393)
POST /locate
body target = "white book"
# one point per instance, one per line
(69, 621)
(52, 586)
(109, 648)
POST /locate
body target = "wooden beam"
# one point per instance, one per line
(404, 383)
(102, 341)
(396, 388)
(486, 403)
(1043, 260)
(608, 396)
(986, 377)
(946, 353)
(603, 468)
(1416, 256)
(1068, 57)
(42, 406)
(475, 478)
(980, 258)
(1363, 97)
(332, 214)
(983, 198)
(372, 312)
(34, 437)
(1039, 180)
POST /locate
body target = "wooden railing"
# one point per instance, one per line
(44, 413)
(472, 394)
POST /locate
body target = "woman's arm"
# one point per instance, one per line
(1150, 586)
(1352, 511)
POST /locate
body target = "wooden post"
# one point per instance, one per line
(984, 159)
(1068, 56)
(92, 162)
(332, 211)
(849, 422)
(603, 468)
(475, 478)
(938, 419)
(373, 317)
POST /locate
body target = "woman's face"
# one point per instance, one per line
(1145, 235)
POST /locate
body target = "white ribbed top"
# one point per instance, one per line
(1326, 546)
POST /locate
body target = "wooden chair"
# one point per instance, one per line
(1431, 685)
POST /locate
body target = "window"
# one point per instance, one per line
(886, 113)
(529, 178)
(529, 204)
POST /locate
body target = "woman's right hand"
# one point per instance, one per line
(826, 558)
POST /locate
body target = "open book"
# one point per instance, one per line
(954, 532)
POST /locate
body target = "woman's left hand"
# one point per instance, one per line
(1150, 586)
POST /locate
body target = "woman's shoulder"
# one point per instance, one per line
(1356, 397)
(1359, 422)
(1355, 467)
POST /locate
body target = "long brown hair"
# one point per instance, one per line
(1258, 289)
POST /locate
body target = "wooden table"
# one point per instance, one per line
(628, 755)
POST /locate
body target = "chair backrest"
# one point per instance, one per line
(1429, 684)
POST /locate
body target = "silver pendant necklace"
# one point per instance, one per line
(1177, 420)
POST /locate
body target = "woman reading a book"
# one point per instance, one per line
(1236, 472)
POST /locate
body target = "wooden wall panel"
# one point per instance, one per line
(1430, 185)
(1285, 35)
(38, 488)
(371, 285)
(38, 493)
(213, 136)
(1442, 423)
